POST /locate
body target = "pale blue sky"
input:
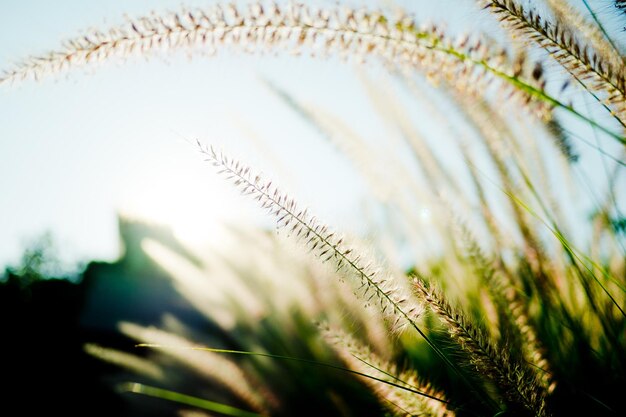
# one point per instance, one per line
(76, 149)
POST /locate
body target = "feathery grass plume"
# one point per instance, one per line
(533, 351)
(126, 360)
(500, 284)
(469, 62)
(583, 62)
(484, 270)
(518, 385)
(359, 357)
(516, 326)
(593, 33)
(209, 364)
(326, 244)
(516, 310)
(205, 293)
(285, 280)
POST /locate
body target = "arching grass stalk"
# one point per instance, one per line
(296, 27)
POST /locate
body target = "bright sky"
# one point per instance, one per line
(77, 149)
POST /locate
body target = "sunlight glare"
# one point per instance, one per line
(187, 198)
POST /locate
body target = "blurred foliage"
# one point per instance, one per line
(45, 369)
